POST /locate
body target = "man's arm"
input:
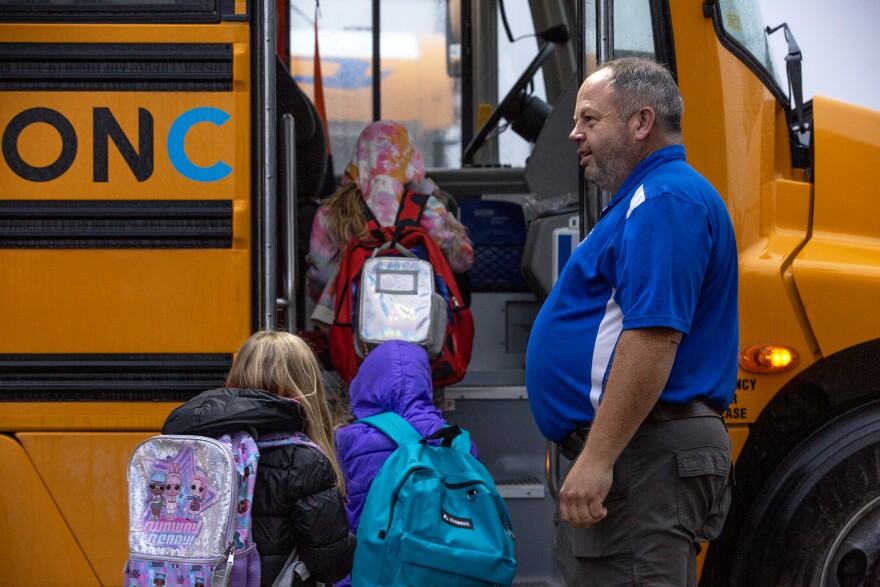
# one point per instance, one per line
(642, 363)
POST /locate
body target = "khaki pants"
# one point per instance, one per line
(671, 491)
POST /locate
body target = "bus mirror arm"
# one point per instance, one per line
(793, 69)
(556, 34)
(514, 103)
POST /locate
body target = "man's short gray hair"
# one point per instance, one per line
(636, 82)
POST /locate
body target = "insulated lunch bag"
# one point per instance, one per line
(398, 302)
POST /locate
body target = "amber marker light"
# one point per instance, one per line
(768, 358)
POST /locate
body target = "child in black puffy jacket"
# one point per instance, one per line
(275, 385)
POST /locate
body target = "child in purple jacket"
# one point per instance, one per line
(394, 377)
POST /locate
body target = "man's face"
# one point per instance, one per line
(605, 146)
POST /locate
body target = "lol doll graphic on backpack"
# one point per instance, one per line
(189, 512)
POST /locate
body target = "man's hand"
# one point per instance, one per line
(583, 493)
(642, 361)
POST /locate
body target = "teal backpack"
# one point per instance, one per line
(432, 515)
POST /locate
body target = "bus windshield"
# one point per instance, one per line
(743, 22)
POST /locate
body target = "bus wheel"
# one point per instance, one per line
(817, 520)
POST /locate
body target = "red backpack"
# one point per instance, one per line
(450, 365)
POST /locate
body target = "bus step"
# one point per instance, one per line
(526, 488)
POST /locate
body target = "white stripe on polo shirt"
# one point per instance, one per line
(606, 339)
(637, 199)
(609, 328)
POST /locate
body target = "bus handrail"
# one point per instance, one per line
(267, 164)
(289, 269)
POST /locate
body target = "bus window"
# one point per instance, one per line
(513, 56)
(633, 35)
(416, 89)
(744, 23)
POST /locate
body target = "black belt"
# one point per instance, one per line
(572, 446)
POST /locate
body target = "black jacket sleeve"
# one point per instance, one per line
(297, 505)
(320, 524)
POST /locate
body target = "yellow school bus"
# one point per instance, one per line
(159, 164)
(130, 255)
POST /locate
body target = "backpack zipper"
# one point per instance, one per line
(189, 561)
(383, 533)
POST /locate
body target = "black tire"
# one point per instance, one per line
(816, 523)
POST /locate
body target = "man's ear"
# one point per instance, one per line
(643, 122)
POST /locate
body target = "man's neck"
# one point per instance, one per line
(656, 142)
(648, 148)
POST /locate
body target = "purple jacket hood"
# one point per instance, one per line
(394, 377)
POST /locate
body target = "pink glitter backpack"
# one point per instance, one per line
(189, 506)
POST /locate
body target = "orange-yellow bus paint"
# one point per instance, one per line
(82, 469)
(131, 301)
(768, 302)
(39, 547)
(39, 144)
(83, 416)
(149, 301)
(845, 245)
(735, 135)
(69, 460)
(227, 32)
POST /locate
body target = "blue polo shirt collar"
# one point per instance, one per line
(645, 166)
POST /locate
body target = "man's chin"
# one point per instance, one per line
(594, 179)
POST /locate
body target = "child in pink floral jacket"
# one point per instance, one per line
(384, 165)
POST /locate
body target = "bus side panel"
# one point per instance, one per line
(140, 301)
(147, 252)
(730, 132)
(39, 547)
(769, 306)
(845, 245)
(94, 505)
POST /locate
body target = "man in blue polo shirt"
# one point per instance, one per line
(634, 354)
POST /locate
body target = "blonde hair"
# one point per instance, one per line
(346, 215)
(284, 364)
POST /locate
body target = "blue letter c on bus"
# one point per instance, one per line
(176, 153)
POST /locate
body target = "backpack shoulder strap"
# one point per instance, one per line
(284, 438)
(394, 427)
(409, 212)
(451, 436)
(372, 224)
